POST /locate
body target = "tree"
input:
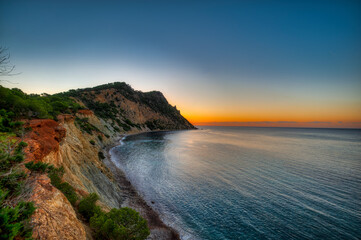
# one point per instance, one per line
(120, 224)
(6, 68)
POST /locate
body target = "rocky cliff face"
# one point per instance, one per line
(79, 143)
(54, 217)
(126, 108)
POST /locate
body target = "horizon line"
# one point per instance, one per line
(354, 128)
(285, 124)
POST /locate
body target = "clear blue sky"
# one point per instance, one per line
(217, 60)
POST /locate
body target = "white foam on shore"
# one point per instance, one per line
(121, 141)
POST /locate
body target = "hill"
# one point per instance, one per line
(72, 132)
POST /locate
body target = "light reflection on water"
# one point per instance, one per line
(250, 183)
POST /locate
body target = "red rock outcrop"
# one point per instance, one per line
(62, 118)
(44, 138)
(54, 217)
(86, 112)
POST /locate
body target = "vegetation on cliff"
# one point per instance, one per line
(122, 224)
(107, 102)
(20, 105)
(117, 108)
(15, 212)
(117, 224)
(16, 183)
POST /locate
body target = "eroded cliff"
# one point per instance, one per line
(79, 144)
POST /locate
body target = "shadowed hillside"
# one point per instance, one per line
(127, 108)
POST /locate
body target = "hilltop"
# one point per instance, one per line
(120, 103)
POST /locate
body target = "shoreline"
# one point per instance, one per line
(159, 230)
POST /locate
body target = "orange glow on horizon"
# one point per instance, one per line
(352, 121)
(314, 124)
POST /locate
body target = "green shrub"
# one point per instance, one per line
(101, 155)
(55, 176)
(13, 182)
(100, 138)
(11, 175)
(18, 104)
(125, 127)
(37, 167)
(17, 158)
(68, 191)
(130, 123)
(14, 218)
(103, 110)
(14, 221)
(85, 126)
(155, 124)
(87, 207)
(92, 142)
(19, 148)
(123, 223)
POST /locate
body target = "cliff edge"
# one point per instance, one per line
(79, 142)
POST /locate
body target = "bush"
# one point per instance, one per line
(123, 223)
(92, 142)
(20, 146)
(13, 182)
(11, 175)
(14, 218)
(130, 123)
(87, 206)
(37, 167)
(68, 191)
(101, 155)
(100, 138)
(55, 175)
(14, 221)
(125, 127)
(85, 126)
(17, 158)
(21, 105)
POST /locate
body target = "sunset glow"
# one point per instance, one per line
(275, 64)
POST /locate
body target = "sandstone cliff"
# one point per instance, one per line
(127, 109)
(79, 143)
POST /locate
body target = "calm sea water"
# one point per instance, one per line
(250, 183)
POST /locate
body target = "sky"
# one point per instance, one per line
(248, 63)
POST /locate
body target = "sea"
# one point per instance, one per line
(249, 182)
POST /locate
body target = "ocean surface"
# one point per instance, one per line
(249, 183)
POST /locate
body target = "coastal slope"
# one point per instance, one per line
(130, 110)
(79, 143)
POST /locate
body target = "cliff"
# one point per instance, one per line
(130, 110)
(79, 143)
